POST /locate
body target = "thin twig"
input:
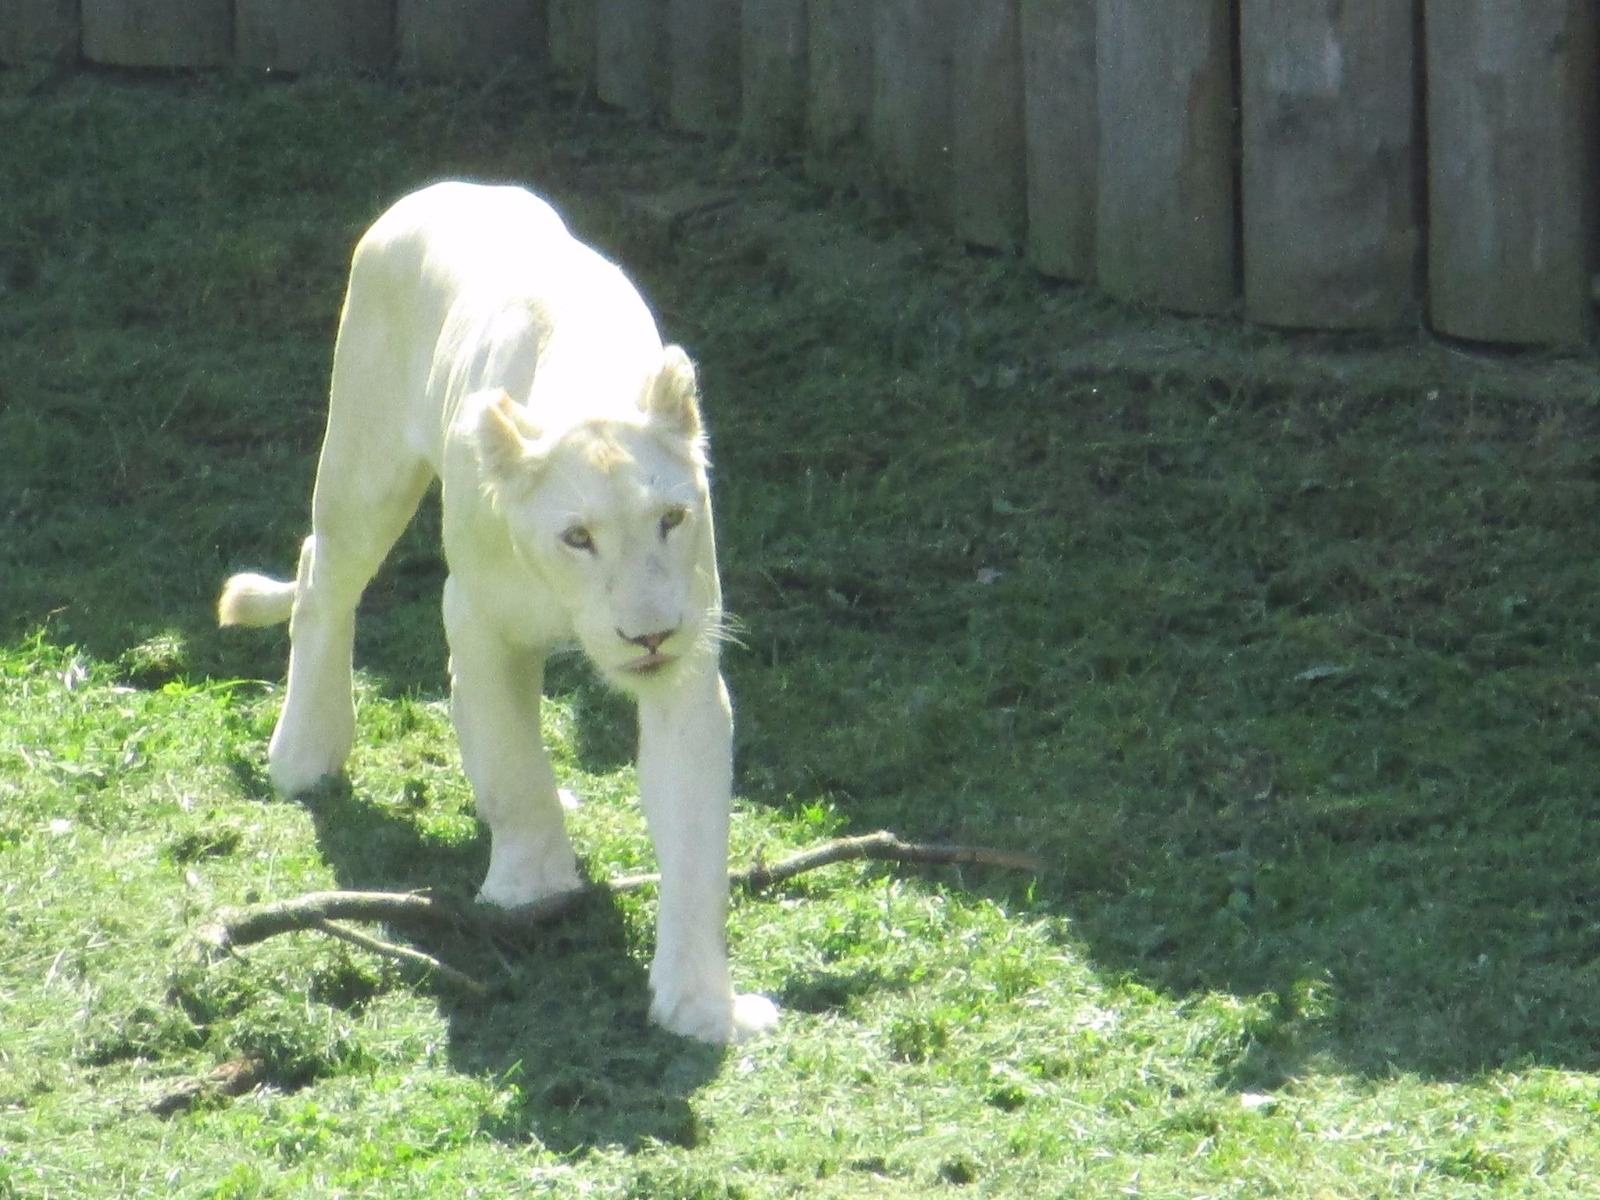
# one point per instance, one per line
(246, 926)
(405, 954)
(882, 846)
(229, 1079)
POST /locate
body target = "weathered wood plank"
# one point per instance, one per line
(773, 64)
(704, 45)
(1331, 163)
(912, 114)
(39, 31)
(158, 33)
(1511, 163)
(1061, 129)
(1165, 226)
(463, 39)
(570, 35)
(305, 35)
(991, 205)
(840, 76)
(632, 65)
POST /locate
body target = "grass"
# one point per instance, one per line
(1281, 650)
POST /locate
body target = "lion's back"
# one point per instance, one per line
(463, 236)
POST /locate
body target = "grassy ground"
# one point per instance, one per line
(1281, 652)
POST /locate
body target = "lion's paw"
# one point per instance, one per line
(298, 766)
(753, 1015)
(519, 876)
(714, 1018)
(311, 741)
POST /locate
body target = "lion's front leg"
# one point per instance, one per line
(495, 691)
(685, 785)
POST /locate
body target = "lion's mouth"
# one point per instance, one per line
(648, 664)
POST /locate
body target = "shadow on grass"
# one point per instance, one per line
(1416, 919)
(566, 1025)
(1409, 921)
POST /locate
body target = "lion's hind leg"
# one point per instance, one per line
(359, 510)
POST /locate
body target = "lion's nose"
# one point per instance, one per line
(651, 642)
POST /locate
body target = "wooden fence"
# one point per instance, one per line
(1354, 164)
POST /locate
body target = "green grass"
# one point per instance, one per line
(1280, 651)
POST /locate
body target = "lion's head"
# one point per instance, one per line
(615, 516)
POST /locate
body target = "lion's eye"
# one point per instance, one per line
(671, 519)
(576, 537)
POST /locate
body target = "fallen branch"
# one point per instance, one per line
(230, 1079)
(406, 954)
(246, 926)
(237, 927)
(322, 911)
(882, 846)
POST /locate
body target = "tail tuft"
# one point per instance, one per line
(251, 599)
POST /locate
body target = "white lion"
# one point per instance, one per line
(483, 344)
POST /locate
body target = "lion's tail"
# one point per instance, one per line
(251, 599)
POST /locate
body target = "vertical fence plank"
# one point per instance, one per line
(990, 185)
(632, 67)
(1330, 182)
(703, 39)
(913, 58)
(38, 31)
(569, 33)
(773, 53)
(1061, 127)
(302, 35)
(1511, 111)
(458, 39)
(840, 74)
(1165, 219)
(158, 33)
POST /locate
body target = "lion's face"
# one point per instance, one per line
(615, 516)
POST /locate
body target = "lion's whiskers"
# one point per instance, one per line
(725, 630)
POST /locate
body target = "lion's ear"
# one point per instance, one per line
(503, 438)
(673, 398)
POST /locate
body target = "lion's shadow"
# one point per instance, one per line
(564, 1025)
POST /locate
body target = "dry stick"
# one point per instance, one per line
(243, 927)
(230, 1079)
(405, 954)
(246, 926)
(882, 846)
